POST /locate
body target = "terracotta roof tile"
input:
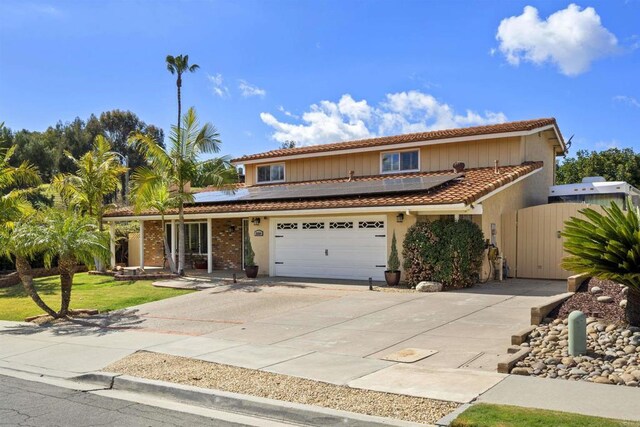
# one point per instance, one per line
(475, 184)
(525, 125)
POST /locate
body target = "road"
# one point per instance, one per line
(27, 403)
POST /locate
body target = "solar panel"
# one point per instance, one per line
(330, 189)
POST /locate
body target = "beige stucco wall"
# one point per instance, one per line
(480, 153)
(260, 244)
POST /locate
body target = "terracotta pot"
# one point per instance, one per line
(392, 277)
(200, 265)
(251, 271)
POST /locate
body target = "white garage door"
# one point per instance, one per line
(338, 248)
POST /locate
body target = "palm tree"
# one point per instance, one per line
(97, 175)
(180, 65)
(13, 202)
(607, 246)
(66, 235)
(177, 165)
(151, 191)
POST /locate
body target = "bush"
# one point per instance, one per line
(443, 251)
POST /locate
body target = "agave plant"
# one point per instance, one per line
(607, 246)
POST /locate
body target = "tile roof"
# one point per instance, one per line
(525, 125)
(475, 184)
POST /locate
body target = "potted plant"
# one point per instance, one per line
(392, 275)
(199, 262)
(250, 268)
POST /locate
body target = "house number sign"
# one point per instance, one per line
(258, 233)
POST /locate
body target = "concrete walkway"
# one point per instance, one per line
(337, 333)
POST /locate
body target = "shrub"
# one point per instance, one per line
(249, 255)
(394, 263)
(443, 251)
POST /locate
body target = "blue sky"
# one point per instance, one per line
(327, 70)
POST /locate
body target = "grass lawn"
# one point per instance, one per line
(99, 292)
(508, 416)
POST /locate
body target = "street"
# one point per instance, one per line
(27, 403)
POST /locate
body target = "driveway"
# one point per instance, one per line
(334, 333)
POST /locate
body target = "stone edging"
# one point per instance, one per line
(538, 313)
(295, 413)
(510, 360)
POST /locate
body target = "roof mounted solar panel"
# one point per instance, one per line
(329, 189)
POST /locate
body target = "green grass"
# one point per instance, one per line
(94, 292)
(482, 415)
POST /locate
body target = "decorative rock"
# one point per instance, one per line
(521, 371)
(605, 298)
(623, 303)
(595, 290)
(429, 287)
(578, 371)
(602, 380)
(630, 349)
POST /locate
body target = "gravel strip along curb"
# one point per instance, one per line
(185, 371)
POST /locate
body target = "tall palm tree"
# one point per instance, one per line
(607, 246)
(179, 65)
(97, 175)
(66, 235)
(177, 165)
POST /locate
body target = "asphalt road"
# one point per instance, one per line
(26, 403)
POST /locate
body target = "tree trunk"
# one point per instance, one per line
(67, 268)
(633, 306)
(181, 238)
(24, 271)
(100, 266)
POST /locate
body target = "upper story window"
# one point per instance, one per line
(401, 161)
(271, 173)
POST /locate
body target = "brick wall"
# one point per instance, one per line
(153, 244)
(226, 242)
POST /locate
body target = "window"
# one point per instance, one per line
(340, 225)
(195, 237)
(313, 225)
(271, 173)
(371, 224)
(400, 161)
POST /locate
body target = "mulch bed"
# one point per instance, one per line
(587, 302)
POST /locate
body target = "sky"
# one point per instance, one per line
(326, 71)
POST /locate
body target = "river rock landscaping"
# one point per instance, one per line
(613, 349)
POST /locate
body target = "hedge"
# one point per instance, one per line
(443, 251)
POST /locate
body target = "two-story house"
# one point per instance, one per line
(330, 211)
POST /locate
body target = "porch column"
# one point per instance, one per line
(456, 217)
(141, 247)
(209, 247)
(112, 243)
(173, 241)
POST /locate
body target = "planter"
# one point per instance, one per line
(251, 271)
(392, 277)
(200, 265)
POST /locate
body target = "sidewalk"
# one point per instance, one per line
(601, 400)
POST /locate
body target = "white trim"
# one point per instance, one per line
(141, 247)
(209, 247)
(112, 244)
(338, 152)
(174, 238)
(382, 153)
(272, 248)
(284, 173)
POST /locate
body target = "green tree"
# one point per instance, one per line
(613, 164)
(64, 235)
(177, 165)
(179, 65)
(607, 246)
(97, 174)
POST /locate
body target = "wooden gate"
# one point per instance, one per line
(533, 240)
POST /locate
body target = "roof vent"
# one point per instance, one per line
(588, 179)
(458, 167)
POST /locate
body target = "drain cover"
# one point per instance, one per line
(409, 355)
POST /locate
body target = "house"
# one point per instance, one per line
(330, 211)
(595, 190)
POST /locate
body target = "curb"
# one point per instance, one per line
(239, 403)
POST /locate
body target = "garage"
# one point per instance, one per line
(336, 248)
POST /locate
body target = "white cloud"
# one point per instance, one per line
(606, 145)
(402, 112)
(219, 88)
(629, 100)
(247, 89)
(571, 38)
(287, 113)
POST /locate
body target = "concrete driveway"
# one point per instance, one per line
(334, 333)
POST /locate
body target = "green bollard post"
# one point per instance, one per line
(577, 333)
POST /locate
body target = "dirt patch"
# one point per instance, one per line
(587, 302)
(199, 373)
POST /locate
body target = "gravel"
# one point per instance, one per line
(590, 299)
(199, 373)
